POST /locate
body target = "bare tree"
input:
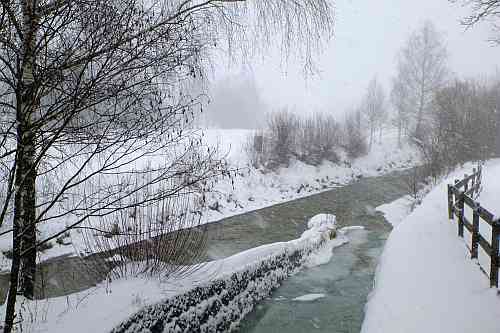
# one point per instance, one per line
(421, 71)
(462, 127)
(354, 140)
(318, 136)
(94, 102)
(282, 129)
(465, 122)
(373, 108)
(400, 101)
(482, 10)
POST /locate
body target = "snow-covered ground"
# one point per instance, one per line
(102, 308)
(395, 212)
(253, 189)
(425, 280)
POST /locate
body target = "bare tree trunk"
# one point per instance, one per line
(26, 168)
(25, 218)
(14, 275)
(371, 136)
(24, 252)
(399, 133)
(423, 83)
(420, 114)
(23, 269)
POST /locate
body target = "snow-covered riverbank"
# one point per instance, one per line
(111, 303)
(240, 280)
(426, 281)
(253, 189)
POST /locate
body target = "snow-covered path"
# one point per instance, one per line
(426, 281)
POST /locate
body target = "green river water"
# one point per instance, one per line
(345, 281)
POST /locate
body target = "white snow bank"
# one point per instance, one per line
(319, 228)
(94, 310)
(426, 281)
(110, 304)
(308, 297)
(254, 189)
(395, 212)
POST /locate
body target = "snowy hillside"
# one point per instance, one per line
(426, 281)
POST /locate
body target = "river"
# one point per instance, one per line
(344, 282)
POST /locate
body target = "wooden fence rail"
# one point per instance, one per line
(461, 194)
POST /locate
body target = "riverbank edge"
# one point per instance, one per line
(219, 305)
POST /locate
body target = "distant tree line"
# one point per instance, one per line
(448, 119)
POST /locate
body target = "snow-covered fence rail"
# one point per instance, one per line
(463, 194)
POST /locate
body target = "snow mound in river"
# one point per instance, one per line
(322, 222)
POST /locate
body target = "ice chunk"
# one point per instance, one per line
(308, 297)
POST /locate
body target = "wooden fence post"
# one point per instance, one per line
(479, 176)
(495, 232)
(461, 200)
(475, 231)
(450, 202)
(473, 181)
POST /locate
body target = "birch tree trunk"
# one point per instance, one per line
(23, 268)
(26, 168)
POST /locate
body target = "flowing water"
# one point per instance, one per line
(343, 285)
(353, 204)
(345, 281)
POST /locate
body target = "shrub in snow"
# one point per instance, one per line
(312, 140)
(219, 305)
(354, 140)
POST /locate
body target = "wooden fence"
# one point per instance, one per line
(464, 193)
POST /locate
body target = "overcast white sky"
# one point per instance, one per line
(368, 35)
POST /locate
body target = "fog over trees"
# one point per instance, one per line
(449, 119)
(421, 71)
(236, 102)
(374, 109)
